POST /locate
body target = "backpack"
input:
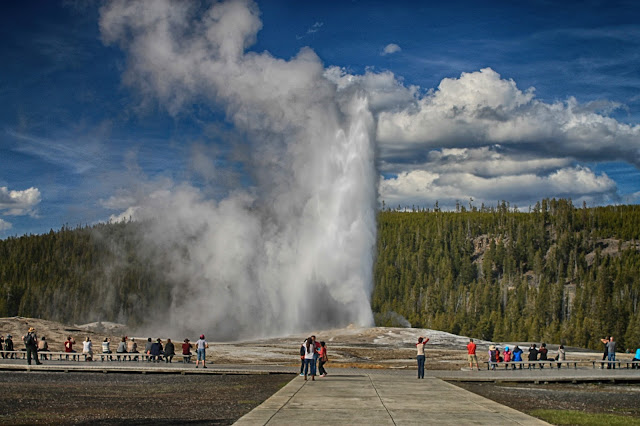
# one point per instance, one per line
(29, 340)
(302, 351)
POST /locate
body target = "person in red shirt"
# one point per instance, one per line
(68, 347)
(471, 351)
(186, 350)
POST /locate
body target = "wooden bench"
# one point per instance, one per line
(608, 363)
(530, 364)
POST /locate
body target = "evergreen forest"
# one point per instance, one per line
(556, 273)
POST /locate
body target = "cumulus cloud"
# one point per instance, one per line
(424, 188)
(481, 108)
(18, 203)
(294, 249)
(390, 49)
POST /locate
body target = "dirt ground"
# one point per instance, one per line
(592, 398)
(88, 398)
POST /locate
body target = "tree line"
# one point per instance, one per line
(557, 273)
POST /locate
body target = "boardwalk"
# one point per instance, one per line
(380, 399)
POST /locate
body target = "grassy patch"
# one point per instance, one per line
(571, 417)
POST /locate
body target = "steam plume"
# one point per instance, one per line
(294, 249)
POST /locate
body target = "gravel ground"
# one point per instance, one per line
(88, 398)
(593, 398)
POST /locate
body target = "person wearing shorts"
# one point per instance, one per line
(471, 354)
(201, 347)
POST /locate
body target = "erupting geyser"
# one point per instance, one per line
(293, 249)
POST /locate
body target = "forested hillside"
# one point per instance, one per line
(557, 273)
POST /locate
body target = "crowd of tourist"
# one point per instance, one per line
(127, 348)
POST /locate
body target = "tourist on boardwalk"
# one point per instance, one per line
(43, 346)
(132, 348)
(201, 350)
(517, 356)
(471, 355)
(106, 349)
(322, 359)
(122, 348)
(636, 359)
(4, 355)
(68, 347)
(507, 354)
(186, 350)
(169, 351)
(493, 357)
(605, 354)
(542, 353)
(420, 357)
(610, 346)
(533, 354)
(309, 362)
(31, 344)
(8, 346)
(87, 349)
(147, 348)
(302, 352)
(316, 345)
(156, 350)
(562, 356)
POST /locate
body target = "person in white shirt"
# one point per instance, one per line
(201, 347)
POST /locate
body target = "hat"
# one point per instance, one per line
(202, 336)
(506, 348)
(31, 329)
(8, 336)
(492, 348)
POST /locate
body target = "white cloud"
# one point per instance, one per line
(390, 49)
(481, 108)
(18, 203)
(4, 225)
(315, 28)
(424, 188)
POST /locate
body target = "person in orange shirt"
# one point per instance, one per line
(471, 354)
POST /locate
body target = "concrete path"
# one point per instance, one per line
(380, 400)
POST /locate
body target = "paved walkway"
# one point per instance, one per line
(380, 400)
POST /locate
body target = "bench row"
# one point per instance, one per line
(558, 364)
(75, 356)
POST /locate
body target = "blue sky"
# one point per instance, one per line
(79, 144)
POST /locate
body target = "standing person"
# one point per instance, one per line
(605, 354)
(43, 346)
(186, 351)
(611, 353)
(4, 355)
(309, 361)
(316, 345)
(201, 349)
(169, 351)
(322, 358)
(122, 348)
(420, 357)
(561, 355)
(31, 344)
(8, 346)
(471, 355)
(302, 352)
(68, 347)
(87, 349)
(517, 356)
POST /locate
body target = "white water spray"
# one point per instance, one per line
(294, 250)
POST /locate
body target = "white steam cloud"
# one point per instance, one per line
(293, 250)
